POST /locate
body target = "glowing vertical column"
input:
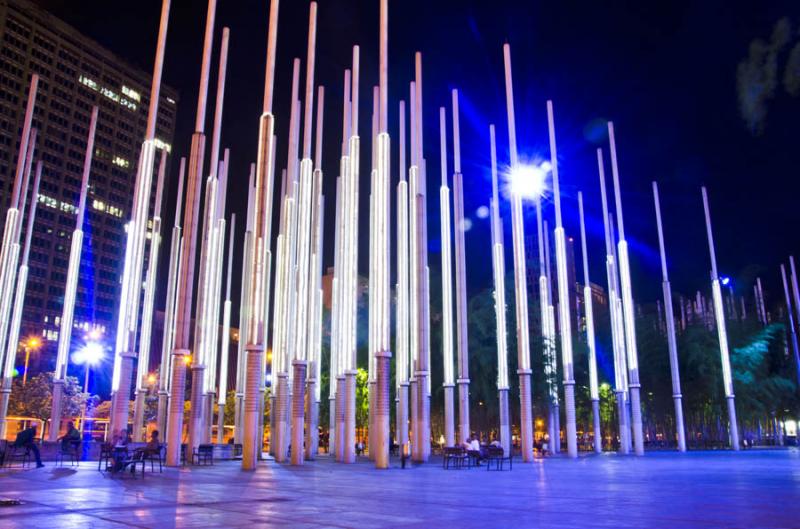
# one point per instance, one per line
(244, 307)
(226, 334)
(402, 317)
(447, 293)
(520, 280)
(722, 334)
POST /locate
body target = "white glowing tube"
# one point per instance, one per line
(447, 289)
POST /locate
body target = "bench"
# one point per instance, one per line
(455, 455)
(69, 449)
(203, 455)
(497, 455)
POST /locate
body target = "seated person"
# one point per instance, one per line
(467, 444)
(475, 445)
(27, 439)
(153, 446)
(72, 436)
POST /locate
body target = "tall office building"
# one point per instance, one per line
(75, 73)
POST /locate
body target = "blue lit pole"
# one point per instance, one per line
(792, 329)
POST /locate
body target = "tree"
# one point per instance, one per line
(35, 398)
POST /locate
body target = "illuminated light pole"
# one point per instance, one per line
(259, 270)
(499, 269)
(627, 306)
(314, 381)
(521, 294)
(551, 370)
(413, 279)
(461, 281)
(594, 393)
(168, 341)
(671, 339)
(226, 335)
(716, 291)
(402, 317)
(9, 253)
(447, 293)
(382, 227)
(186, 287)
(91, 355)
(614, 305)
(70, 289)
(303, 309)
(565, 323)
(792, 329)
(371, 311)
(796, 297)
(16, 318)
(760, 305)
(203, 335)
(241, 358)
(128, 318)
(139, 434)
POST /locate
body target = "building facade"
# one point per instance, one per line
(76, 73)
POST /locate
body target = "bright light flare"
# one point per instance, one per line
(92, 353)
(528, 181)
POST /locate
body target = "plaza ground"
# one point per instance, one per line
(751, 489)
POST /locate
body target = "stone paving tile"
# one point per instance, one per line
(756, 489)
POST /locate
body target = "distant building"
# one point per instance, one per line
(76, 73)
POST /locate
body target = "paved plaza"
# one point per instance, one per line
(755, 489)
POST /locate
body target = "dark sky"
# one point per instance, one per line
(664, 72)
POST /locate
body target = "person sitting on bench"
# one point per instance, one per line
(27, 440)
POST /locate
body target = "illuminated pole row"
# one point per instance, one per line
(792, 329)
(671, 338)
(413, 305)
(71, 288)
(447, 293)
(615, 313)
(203, 344)
(19, 305)
(9, 253)
(176, 247)
(554, 426)
(314, 327)
(520, 279)
(627, 306)
(303, 309)
(594, 393)
(402, 317)
(244, 307)
(226, 336)
(128, 318)
(760, 305)
(716, 292)
(259, 271)
(185, 289)
(499, 269)
(380, 193)
(461, 280)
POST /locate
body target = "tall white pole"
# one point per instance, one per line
(19, 304)
(520, 281)
(461, 280)
(671, 338)
(402, 317)
(447, 292)
(615, 313)
(565, 324)
(168, 341)
(792, 329)
(727, 376)
(226, 335)
(128, 317)
(499, 270)
(245, 293)
(594, 392)
(70, 289)
(627, 306)
(143, 366)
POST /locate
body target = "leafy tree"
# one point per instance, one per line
(35, 398)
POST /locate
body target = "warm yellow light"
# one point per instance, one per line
(33, 342)
(187, 359)
(151, 378)
(539, 423)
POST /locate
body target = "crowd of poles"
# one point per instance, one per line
(296, 319)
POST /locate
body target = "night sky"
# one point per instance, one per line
(664, 72)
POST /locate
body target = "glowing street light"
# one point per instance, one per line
(528, 181)
(31, 343)
(90, 355)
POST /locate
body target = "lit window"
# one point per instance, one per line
(130, 92)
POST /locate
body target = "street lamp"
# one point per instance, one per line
(90, 355)
(528, 181)
(32, 342)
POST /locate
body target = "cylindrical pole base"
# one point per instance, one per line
(161, 413)
(196, 421)
(340, 422)
(55, 414)
(402, 432)
(681, 430)
(449, 415)
(120, 401)
(556, 428)
(332, 426)
(298, 414)
(312, 431)
(138, 433)
(624, 431)
(463, 409)
(526, 419)
(250, 447)
(415, 443)
(371, 420)
(423, 437)
(273, 418)
(569, 412)
(238, 420)
(598, 436)
(734, 428)
(175, 416)
(5, 393)
(349, 441)
(282, 405)
(636, 419)
(505, 423)
(382, 413)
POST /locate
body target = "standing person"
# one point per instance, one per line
(27, 439)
